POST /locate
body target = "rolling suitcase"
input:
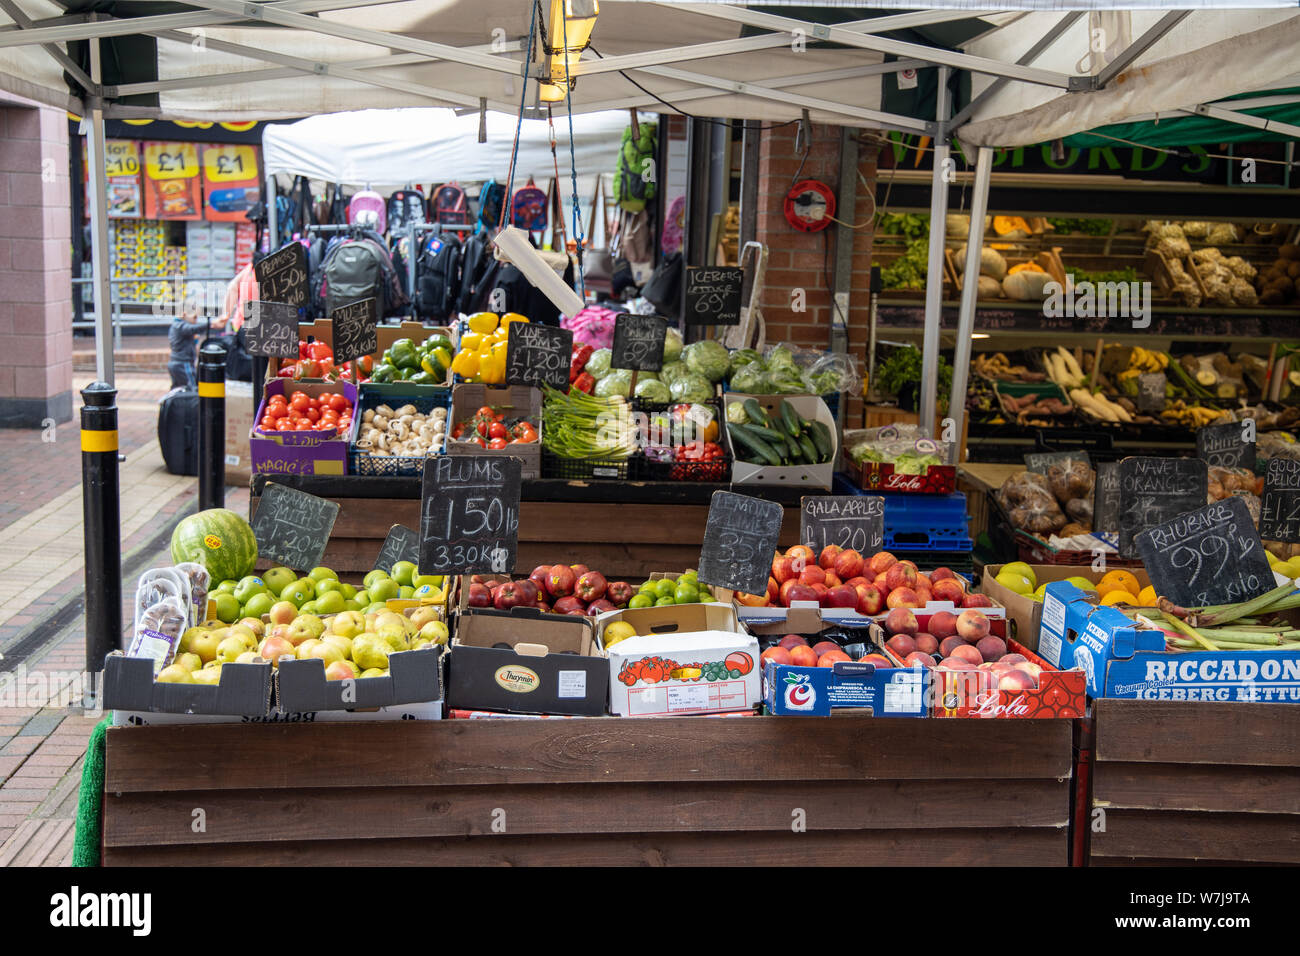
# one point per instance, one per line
(178, 431)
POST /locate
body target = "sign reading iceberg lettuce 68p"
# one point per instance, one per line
(469, 514)
(1212, 555)
(740, 538)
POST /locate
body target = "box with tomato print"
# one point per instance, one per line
(473, 403)
(311, 450)
(524, 661)
(682, 659)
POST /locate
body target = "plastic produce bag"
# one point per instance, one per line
(592, 326)
(1031, 506)
(834, 373)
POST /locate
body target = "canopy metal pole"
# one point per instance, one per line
(934, 267)
(104, 306)
(272, 225)
(969, 289)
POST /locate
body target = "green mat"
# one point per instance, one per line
(90, 800)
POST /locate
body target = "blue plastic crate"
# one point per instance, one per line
(926, 522)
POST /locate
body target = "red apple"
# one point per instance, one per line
(560, 582)
(600, 606)
(776, 654)
(926, 643)
(842, 596)
(943, 624)
(901, 645)
(878, 659)
(900, 575)
(969, 654)
(923, 596)
(939, 574)
(991, 648)
(870, 600)
(539, 575)
(822, 594)
(479, 596)
(792, 640)
(854, 582)
(903, 597)
(880, 562)
(901, 620)
(811, 575)
(972, 625)
(783, 569)
(511, 595)
(826, 560)
(918, 657)
(948, 589)
(799, 592)
(578, 570)
(848, 564)
(922, 580)
(591, 586)
(801, 655)
(773, 590)
(620, 592)
(568, 605)
(976, 600)
(832, 580)
(530, 588)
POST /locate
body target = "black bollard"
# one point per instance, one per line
(212, 427)
(102, 523)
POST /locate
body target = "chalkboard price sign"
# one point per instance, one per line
(271, 329)
(1279, 513)
(713, 295)
(1211, 555)
(1106, 498)
(851, 522)
(402, 544)
(639, 342)
(354, 329)
(1155, 490)
(1040, 461)
(740, 537)
(469, 514)
(538, 354)
(1225, 446)
(282, 276)
(293, 527)
(1151, 392)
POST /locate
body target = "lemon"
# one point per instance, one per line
(1041, 592)
(1022, 569)
(1119, 597)
(618, 631)
(1015, 582)
(1147, 596)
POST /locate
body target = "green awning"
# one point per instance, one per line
(1186, 130)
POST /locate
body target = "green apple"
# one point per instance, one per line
(432, 580)
(375, 607)
(227, 587)
(352, 605)
(259, 604)
(403, 572)
(247, 587)
(279, 578)
(326, 585)
(425, 591)
(311, 607)
(297, 593)
(331, 602)
(349, 592)
(320, 574)
(383, 590)
(405, 591)
(373, 576)
(228, 607)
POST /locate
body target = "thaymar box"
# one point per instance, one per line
(1121, 658)
(685, 659)
(524, 661)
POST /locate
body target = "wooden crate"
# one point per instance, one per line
(592, 791)
(1195, 783)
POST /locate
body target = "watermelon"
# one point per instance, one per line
(218, 539)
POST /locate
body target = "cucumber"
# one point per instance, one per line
(790, 419)
(821, 436)
(756, 414)
(770, 435)
(754, 447)
(809, 452)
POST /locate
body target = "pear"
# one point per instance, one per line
(434, 632)
(312, 621)
(394, 636)
(375, 672)
(370, 650)
(174, 674)
(190, 661)
(207, 675)
(344, 644)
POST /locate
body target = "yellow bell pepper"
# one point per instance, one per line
(493, 369)
(471, 341)
(512, 317)
(483, 322)
(465, 364)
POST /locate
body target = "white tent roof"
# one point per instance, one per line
(423, 145)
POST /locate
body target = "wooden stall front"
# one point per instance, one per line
(696, 790)
(1189, 782)
(623, 528)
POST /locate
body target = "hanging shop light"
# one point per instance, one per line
(569, 33)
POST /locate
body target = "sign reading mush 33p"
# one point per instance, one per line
(469, 514)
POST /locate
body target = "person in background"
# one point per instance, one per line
(181, 363)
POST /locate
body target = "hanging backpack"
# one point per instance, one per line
(353, 270)
(437, 278)
(367, 208)
(476, 256)
(490, 198)
(449, 205)
(528, 208)
(405, 207)
(286, 210)
(633, 188)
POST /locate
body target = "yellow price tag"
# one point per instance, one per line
(171, 160)
(121, 158)
(228, 163)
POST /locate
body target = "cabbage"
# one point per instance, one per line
(779, 357)
(691, 388)
(742, 357)
(617, 382)
(672, 346)
(598, 365)
(652, 390)
(672, 371)
(708, 358)
(736, 414)
(751, 379)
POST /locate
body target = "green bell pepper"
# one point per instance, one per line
(384, 372)
(405, 354)
(436, 341)
(424, 378)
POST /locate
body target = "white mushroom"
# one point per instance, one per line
(369, 415)
(381, 421)
(407, 409)
(384, 410)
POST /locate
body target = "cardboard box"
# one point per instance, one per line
(239, 423)
(1026, 613)
(522, 400)
(431, 710)
(414, 677)
(1124, 659)
(810, 407)
(129, 685)
(322, 330)
(845, 688)
(847, 615)
(665, 670)
(552, 665)
(312, 452)
(807, 619)
(1059, 694)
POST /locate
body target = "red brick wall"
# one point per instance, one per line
(800, 260)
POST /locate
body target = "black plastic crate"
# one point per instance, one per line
(553, 466)
(717, 471)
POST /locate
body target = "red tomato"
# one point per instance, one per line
(313, 414)
(297, 395)
(303, 426)
(497, 430)
(497, 443)
(277, 400)
(480, 442)
(339, 403)
(482, 429)
(485, 411)
(284, 425)
(278, 410)
(300, 403)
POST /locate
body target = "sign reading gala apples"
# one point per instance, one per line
(740, 537)
(849, 522)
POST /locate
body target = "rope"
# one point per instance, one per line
(573, 166)
(519, 123)
(555, 163)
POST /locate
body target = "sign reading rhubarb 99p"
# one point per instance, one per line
(469, 514)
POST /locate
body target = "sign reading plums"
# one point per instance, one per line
(402, 544)
(538, 354)
(740, 538)
(292, 527)
(1212, 555)
(850, 522)
(469, 514)
(639, 342)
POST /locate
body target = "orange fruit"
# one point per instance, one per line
(1147, 597)
(1119, 597)
(1124, 579)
